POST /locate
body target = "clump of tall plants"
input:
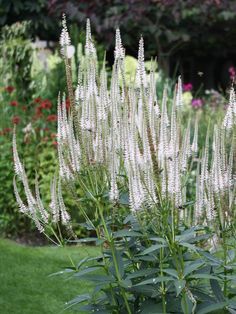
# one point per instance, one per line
(164, 207)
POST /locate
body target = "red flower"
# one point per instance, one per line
(37, 100)
(16, 120)
(6, 130)
(52, 118)
(14, 103)
(46, 104)
(38, 113)
(9, 89)
(38, 110)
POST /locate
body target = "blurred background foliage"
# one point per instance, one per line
(188, 36)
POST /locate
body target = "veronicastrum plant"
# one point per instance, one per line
(136, 162)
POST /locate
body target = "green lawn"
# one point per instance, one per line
(26, 288)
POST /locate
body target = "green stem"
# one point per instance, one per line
(163, 291)
(111, 242)
(225, 264)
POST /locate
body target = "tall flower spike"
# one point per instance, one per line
(54, 202)
(19, 170)
(119, 50)
(232, 100)
(22, 207)
(89, 46)
(43, 213)
(141, 73)
(194, 146)
(230, 115)
(179, 94)
(163, 137)
(65, 37)
(65, 217)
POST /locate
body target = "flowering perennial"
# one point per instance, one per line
(125, 128)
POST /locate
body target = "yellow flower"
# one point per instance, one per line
(187, 98)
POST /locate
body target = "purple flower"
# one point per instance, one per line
(187, 87)
(197, 103)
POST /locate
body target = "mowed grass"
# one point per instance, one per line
(25, 285)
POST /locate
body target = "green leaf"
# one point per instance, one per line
(144, 290)
(86, 271)
(129, 218)
(179, 286)
(99, 278)
(148, 258)
(200, 238)
(212, 258)
(217, 290)
(190, 246)
(158, 239)
(154, 280)
(142, 273)
(84, 260)
(78, 299)
(100, 309)
(150, 307)
(230, 255)
(126, 233)
(231, 277)
(186, 236)
(203, 276)
(212, 307)
(192, 267)
(65, 271)
(153, 248)
(171, 272)
(127, 283)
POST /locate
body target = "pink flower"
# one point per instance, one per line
(232, 73)
(187, 87)
(197, 103)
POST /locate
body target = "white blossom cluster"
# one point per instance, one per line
(230, 116)
(124, 128)
(215, 181)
